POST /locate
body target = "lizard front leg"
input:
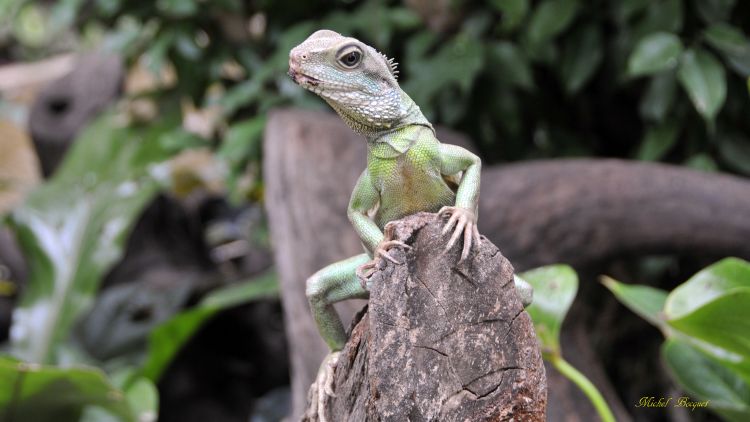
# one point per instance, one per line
(463, 216)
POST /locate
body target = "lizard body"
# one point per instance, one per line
(408, 171)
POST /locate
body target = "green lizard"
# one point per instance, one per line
(408, 171)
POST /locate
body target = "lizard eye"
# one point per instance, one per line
(350, 59)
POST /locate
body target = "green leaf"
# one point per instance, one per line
(728, 394)
(63, 14)
(156, 54)
(73, 229)
(726, 38)
(177, 8)
(655, 53)
(647, 302)
(513, 12)
(140, 393)
(712, 306)
(108, 8)
(658, 141)
(30, 392)
(242, 140)
(664, 16)
(185, 45)
(702, 162)
(143, 399)
(555, 287)
(708, 284)
(511, 64)
(714, 10)
(551, 18)
(732, 44)
(659, 96)
(722, 322)
(261, 287)
(734, 151)
(703, 78)
(168, 338)
(624, 10)
(582, 55)
(456, 63)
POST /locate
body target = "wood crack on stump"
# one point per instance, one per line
(436, 346)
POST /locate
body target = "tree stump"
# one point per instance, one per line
(441, 341)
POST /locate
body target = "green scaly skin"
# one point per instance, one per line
(408, 169)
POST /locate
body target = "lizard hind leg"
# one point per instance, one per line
(332, 284)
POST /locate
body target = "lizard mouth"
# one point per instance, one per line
(302, 79)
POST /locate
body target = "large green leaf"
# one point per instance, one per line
(714, 10)
(722, 322)
(549, 19)
(73, 228)
(31, 392)
(664, 15)
(655, 53)
(707, 285)
(703, 78)
(733, 45)
(555, 287)
(734, 150)
(702, 162)
(511, 64)
(455, 63)
(657, 101)
(738, 364)
(513, 12)
(728, 394)
(658, 141)
(711, 310)
(168, 338)
(582, 55)
(645, 301)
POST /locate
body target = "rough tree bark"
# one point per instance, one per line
(441, 340)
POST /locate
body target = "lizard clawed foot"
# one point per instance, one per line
(321, 389)
(465, 223)
(365, 271)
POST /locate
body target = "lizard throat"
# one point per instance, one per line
(375, 121)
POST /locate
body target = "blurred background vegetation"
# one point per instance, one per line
(661, 80)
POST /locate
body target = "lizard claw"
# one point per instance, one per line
(462, 222)
(321, 389)
(365, 271)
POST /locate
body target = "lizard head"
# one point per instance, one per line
(355, 79)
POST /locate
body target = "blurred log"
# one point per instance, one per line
(574, 211)
(441, 340)
(585, 211)
(65, 106)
